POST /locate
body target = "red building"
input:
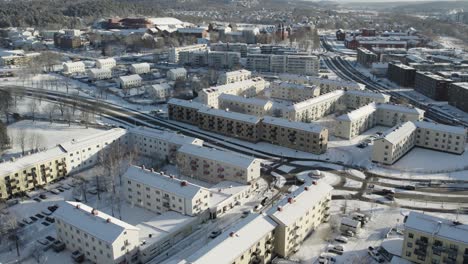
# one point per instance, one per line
(340, 35)
(371, 43)
(368, 32)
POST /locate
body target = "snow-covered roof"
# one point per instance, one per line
(156, 180)
(441, 127)
(232, 243)
(100, 225)
(140, 65)
(107, 60)
(186, 103)
(231, 86)
(369, 94)
(400, 108)
(164, 21)
(317, 100)
(463, 85)
(238, 72)
(97, 138)
(308, 127)
(293, 85)
(358, 113)
(178, 70)
(437, 227)
(167, 136)
(398, 132)
(129, 78)
(287, 213)
(350, 222)
(161, 86)
(97, 71)
(192, 30)
(246, 100)
(29, 160)
(229, 115)
(218, 155)
(72, 64)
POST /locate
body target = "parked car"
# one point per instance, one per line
(28, 221)
(342, 239)
(53, 208)
(37, 199)
(55, 191)
(215, 233)
(65, 187)
(46, 212)
(245, 214)
(50, 219)
(51, 239)
(43, 196)
(77, 256)
(338, 252)
(34, 219)
(349, 233)
(374, 253)
(58, 246)
(39, 216)
(326, 258)
(44, 242)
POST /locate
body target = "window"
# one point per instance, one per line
(410, 235)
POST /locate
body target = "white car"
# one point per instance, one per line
(326, 258)
(342, 239)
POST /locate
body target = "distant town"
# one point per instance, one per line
(246, 133)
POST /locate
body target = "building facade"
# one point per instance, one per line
(250, 106)
(432, 85)
(140, 68)
(99, 74)
(292, 91)
(401, 74)
(234, 76)
(174, 52)
(74, 67)
(106, 63)
(129, 81)
(177, 74)
(457, 95)
(295, 64)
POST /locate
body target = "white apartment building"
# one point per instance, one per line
(74, 67)
(358, 98)
(251, 106)
(314, 108)
(160, 193)
(177, 74)
(325, 85)
(393, 114)
(249, 241)
(99, 74)
(83, 153)
(293, 91)
(302, 64)
(100, 237)
(399, 140)
(174, 52)
(234, 76)
(247, 88)
(140, 68)
(159, 144)
(288, 63)
(429, 239)
(214, 165)
(184, 110)
(223, 59)
(159, 91)
(129, 81)
(299, 214)
(108, 63)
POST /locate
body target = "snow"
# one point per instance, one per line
(229, 115)
(217, 155)
(308, 127)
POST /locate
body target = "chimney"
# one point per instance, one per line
(94, 212)
(143, 167)
(314, 182)
(77, 206)
(306, 188)
(280, 208)
(290, 200)
(108, 220)
(183, 183)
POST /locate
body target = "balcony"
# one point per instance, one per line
(420, 252)
(420, 242)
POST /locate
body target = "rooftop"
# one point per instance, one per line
(398, 132)
(441, 127)
(138, 65)
(235, 241)
(186, 103)
(238, 72)
(232, 86)
(128, 78)
(302, 200)
(438, 227)
(230, 115)
(178, 70)
(308, 127)
(463, 85)
(400, 108)
(318, 99)
(172, 137)
(246, 100)
(367, 93)
(99, 224)
(103, 70)
(17, 164)
(168, 184)
(217, 155)
(358, 113)
(98, 138)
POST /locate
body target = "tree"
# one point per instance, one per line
(6, 103)
(33, 108)
(9, 228)
(81, 186)
(74, 105)
(68, 115)
(50, 110)
(21, 139)
(4, 138)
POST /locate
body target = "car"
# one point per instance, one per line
(326, 258)
(28, 221)
(53, 208)
(245, 214)
(92, 191)
(338, 247)
(58, 246)
(60, 189)
(50, 219)
(374, 253)
(390, 197)
(349, 233)
(34, 219)
(37, 199)
(21, 224)
(65, 187)
(342, 239)
(45, 224)
(77, 256)
(215, 233)
(388, 191)
(51, 239)
(39, 216)
(338, 252)
(46, 212)
(43, 196)
(55, 191)
(44, 242)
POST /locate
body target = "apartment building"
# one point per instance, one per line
(184, 111)
(99, 74)
(392, 114)
(366, 57)
(298, 215)
(194, 58)
(159, 91)
(325, 85)
(399, 140)
(160, 193)
(250, 106)
(101, 238)
(234, 76)
(429, 239)
(355, 99)
(223, 59)
(129, 81)
(457, 94)
(177, 74)
(229, 123)
(314, 108)
(32, 171)
(174, 52)
(432, 85)
(286, 63)
(214, 165)
(234, 47)
(247, 88)
(401, 74)
(356, 122)
(296, 135)
(74, 67)
(249, 241)
(140, 68)
(155, 143)
(293, 91)
(108, 63)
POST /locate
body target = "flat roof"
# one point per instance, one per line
(9, 166)
(96, 225)
(230, 115)
(308, 127)
(317, 100)
(103, 70)
(235, 241)
(238, 72)
(162, 182)
(218, 155)
(395, 134)
(302, 201)
(400, 108)
(358, 113)
(168, 136)
(463, 85)
(246, 100)
(186, 103)
(138, 65)
(369, 94)
(235, 85)
(132, 77)
(441, 127)
(437, 226)
(97, 138)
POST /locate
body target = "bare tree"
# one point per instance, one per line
(33, 108)
(50, 110)
(74, 105)
(10, 230)
(21, 139)
(81, 186)
(68, 115)
(6, 104)
(85, 118)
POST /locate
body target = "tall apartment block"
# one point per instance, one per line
(432, 85)
(250, 106)
(295, 64)
(293, 91)
(457, 94)
(366, 57)
(174, 52)
(234, 76)
(401, 74)
(184, 111)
